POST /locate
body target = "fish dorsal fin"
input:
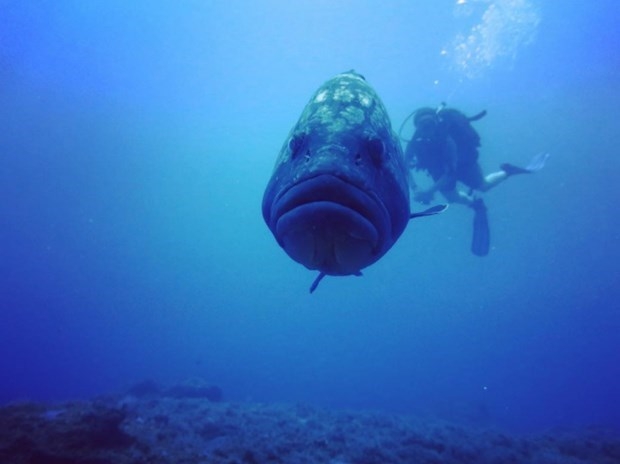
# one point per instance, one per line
(430, 211)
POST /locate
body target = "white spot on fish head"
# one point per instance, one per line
(365, 100)
(321, 97)
(343, 94)
(354, 115)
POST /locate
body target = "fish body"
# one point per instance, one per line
(338, 198)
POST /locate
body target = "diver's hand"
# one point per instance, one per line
(424, 196)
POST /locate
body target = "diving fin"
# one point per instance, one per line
(536, 164)
(481, 238)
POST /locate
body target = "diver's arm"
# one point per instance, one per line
(449, 158)
(413, 185)
(411, 161)
(450, 192)
(410, 155)
(440, 184)
(459, 196)
(444, 183)
(426, 195)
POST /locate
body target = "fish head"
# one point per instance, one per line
(338, 198)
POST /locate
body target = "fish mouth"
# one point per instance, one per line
(330, 224)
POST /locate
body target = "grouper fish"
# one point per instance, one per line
(338, 198)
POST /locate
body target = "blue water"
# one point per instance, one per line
(136, 140)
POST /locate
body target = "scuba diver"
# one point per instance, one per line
(445, 145)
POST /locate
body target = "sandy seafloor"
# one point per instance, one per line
(191, 424)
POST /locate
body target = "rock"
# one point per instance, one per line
(144, 389)
(195, 388)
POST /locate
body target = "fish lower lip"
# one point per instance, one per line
(331, 189)
(330, 224)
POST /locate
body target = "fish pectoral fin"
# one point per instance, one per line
(317, 281)
(430, 211)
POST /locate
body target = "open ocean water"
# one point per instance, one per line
(137, 138)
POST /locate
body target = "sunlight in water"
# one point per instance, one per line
(501, 29)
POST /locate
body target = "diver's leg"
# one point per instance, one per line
(492, 180)
(473, 177)
(507, 170)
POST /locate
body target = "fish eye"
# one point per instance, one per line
(295, 143)
(422, 140)
(376, 150)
